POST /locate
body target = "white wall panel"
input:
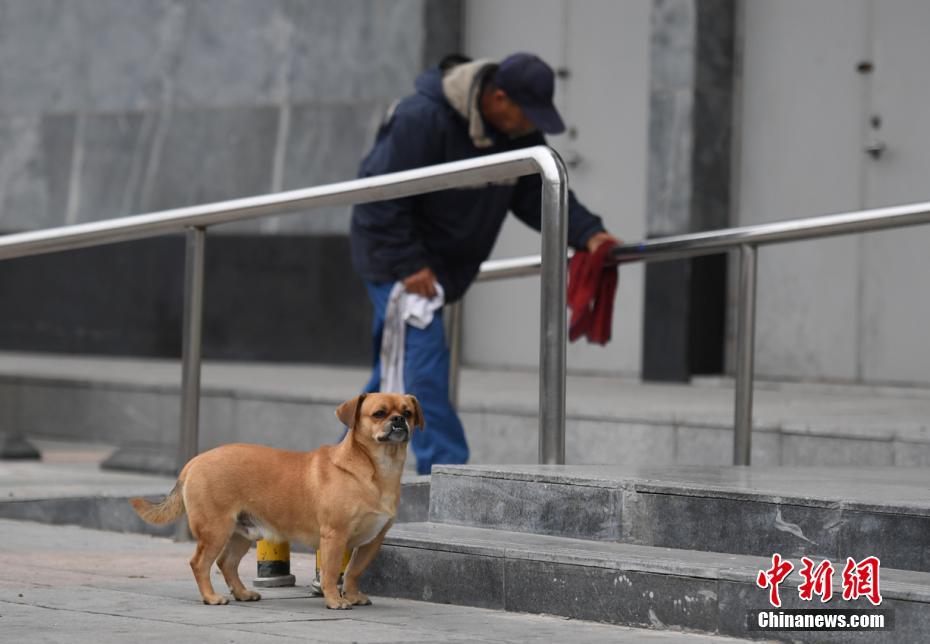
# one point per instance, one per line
(895, 264)
(605, 46)
(800, 155)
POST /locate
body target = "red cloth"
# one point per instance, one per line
(591, 289)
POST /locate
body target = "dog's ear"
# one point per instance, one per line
(419, 420)
(349, 411)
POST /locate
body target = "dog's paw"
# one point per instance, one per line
(358, 599)
(247, 596)
(215, 600)
(339, 604)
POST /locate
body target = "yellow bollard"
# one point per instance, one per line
(274, 565)
(315, 587)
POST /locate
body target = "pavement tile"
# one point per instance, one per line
(78, 586)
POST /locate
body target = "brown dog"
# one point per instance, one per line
(334, 498)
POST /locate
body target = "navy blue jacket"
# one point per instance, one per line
(451, 231)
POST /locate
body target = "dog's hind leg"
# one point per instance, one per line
(228, 563)
(210, 542)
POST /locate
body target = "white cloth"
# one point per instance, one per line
(403, 308)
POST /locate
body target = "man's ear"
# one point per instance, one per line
(418, 419)
(349, 411)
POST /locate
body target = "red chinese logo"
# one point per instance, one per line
(772, 577)
(861, 580)
(817, 581)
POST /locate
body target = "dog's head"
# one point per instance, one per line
(382, 418)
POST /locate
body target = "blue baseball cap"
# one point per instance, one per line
(530, 83)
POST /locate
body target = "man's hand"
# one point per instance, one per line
(423, 282)
(597, 239)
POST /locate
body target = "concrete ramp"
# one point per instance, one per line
(134, 404)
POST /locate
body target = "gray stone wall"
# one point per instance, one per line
(691, 93)
(690, 109)
(116, 107)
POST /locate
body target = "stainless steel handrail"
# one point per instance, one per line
(459, 174)
(745, 239)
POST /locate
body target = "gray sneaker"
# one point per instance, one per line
(316, 589)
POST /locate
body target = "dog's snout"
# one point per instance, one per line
(396, 430)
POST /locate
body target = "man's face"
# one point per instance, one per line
(505, 115)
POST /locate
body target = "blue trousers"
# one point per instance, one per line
(426, 376)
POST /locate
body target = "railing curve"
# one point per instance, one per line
(746, 240)
(195, 220)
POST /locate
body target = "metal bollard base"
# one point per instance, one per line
(274, 565)
(15, 447)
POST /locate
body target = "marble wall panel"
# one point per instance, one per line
(118, 55)
(324, 143)
(41, 44)
(232, 52)
(128, 55)
(211, 155)
(671, 109)
(674, 29)
(112, 107)
(35, 170)
(113, 152)
(354, 49)
(106, 55)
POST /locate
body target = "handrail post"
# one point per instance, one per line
(455, 351)
(553, 321)
(191, 352)
(745, 345)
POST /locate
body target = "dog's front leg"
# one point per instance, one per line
(361, 558)
(332, 547)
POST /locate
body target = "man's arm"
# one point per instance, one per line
(585, 230)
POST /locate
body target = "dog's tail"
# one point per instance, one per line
(165, 511)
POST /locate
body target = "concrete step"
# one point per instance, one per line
(135, 404)
(617, 583)
(818, 512)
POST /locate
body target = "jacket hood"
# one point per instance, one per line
(460, 87)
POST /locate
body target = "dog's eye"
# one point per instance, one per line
(380, 413)
(407, 413)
